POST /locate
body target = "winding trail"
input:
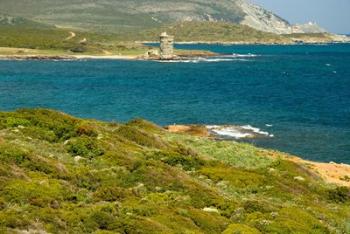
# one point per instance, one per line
(72, 35)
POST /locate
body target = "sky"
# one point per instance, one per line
(333, 15)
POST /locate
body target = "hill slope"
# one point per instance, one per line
(211, 32)
(134, 15)
(11, 21)
(18, 34)
(61, 174)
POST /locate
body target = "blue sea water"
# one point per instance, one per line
(303, 91)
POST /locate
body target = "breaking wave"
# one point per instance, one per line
(237, 132)
(215, 59)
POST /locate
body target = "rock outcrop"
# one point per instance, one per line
(263, 20)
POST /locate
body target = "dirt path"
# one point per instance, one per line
(71, 36)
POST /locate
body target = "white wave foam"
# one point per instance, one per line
(249, 55)
(232, 132)
(255, 130)
(204, 60)
(238, 132)
(215, 59)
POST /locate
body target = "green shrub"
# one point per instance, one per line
(110, 193)
(61, 124)
(12, 154)
(252, 206)
(187, 162)
(183, 150)
(35, 163)
(339, 194)
(2, 204)
(173, 158)
(145, 125)
(15, 122)
(84, 178)
(34, 193)
(78, 49)
(87, 130)
(40, 133)
(240, 229)
(292, 220)
(208, 222)
(239, 178)
(14, 219)
(141, 137)
(102, 220)
(85, 147)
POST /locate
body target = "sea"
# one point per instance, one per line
(297, 96)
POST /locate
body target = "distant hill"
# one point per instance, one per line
(212, 32)
(12, 21)
(21, 33)
(132, 15)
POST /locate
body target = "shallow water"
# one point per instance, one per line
(302, 91)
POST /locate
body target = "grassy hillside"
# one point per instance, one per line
(45, 38)
(7, 20)
(213, 32)
(311, 37)
(129, 15)
(62, 174)
(64, 41)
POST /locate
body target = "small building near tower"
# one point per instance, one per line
(166, 46)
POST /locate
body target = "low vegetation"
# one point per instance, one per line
(56, 41)
(19, 36)
(214, 32)
(61, 174)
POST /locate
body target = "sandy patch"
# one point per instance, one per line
(333, 173)
(195, 130)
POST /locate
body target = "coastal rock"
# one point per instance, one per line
(211, 210)
(78, 158)
(152, 54)
(299, 178)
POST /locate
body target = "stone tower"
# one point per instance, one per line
(166, 46)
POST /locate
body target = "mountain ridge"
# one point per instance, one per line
(131, 15)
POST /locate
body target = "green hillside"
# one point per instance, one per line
(212, 32)
(61, 174)
(16, 32)
(24, 33)
(129, 15)
(11, 21)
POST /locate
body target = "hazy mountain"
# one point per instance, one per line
(116, 15)
(11, 21)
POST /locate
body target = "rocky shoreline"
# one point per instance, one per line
(180, 56)
(64, 57)
(292, 42)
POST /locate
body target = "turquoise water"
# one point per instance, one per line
(302, 91)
